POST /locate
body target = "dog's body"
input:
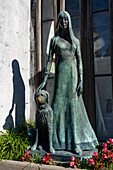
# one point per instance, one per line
(44, 122)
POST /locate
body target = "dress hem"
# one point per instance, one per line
(81, 146)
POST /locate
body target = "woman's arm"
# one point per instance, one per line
(80, 69)
(48, 67)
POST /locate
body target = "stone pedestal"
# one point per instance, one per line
(64, 156)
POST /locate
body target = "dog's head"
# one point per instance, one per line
(42, 97)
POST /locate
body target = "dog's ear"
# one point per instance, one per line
(48, 99)
(36, 96)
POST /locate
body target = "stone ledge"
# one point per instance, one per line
(18, 165)
(64, 156)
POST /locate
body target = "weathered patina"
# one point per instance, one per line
(44, 122)
(71, 127)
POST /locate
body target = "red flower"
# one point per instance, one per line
(75, 166)
(27, 152)
(102, 165)
(46, 162)
(44, 158)
(72, 163)
(109, 151)
(95, 154)
(104, 149)
(105, 156)
(48, 154)
(50, 159)
(104, 144)
(111, 140)
(91, 161)
(72, 158)
(88, 160)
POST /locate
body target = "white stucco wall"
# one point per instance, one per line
(14, 44)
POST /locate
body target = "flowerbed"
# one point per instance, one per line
(13, 145)
(100, 160)
(104, 157)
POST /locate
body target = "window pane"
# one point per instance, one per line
(101, 43)
(76, 26)
(73, 7)
(104, 115)
(100, 5)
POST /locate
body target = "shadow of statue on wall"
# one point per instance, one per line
(18, 99)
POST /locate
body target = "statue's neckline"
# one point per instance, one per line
(64, 40)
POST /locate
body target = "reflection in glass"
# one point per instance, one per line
(104, 115)
(101, 43)
(100, 5)
(73, 7)
(76, 26)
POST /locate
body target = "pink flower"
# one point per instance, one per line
(111, 140)
(91, 161)
(105, 156)
(50, 159)
(108, 141)
(72, 158)
(112, 156)
(48, 154)
(75, 166)
(72, 163)
(109, 153)
(102, 165)
(27, 152)
(104, 144)
(95, 154)
(44, 158)
(28, 156)
(104, 149)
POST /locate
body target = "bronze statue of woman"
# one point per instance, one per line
(71, 127)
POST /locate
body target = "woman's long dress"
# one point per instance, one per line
(71, 127)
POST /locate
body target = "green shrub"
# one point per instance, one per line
(14, 144)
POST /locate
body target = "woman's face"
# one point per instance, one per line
(63, 21)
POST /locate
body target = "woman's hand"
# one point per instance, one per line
(41, 86)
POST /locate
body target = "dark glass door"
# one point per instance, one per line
(102, 69)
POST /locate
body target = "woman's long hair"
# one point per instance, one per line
(71, 34)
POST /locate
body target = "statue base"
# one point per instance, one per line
(64, 156)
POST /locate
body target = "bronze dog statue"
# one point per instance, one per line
(44, 122)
